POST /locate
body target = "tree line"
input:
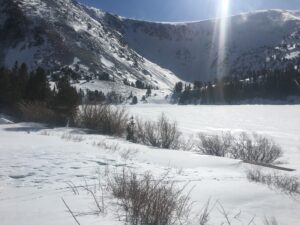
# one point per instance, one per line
(30, 96)
(272, 85)
(24, 93)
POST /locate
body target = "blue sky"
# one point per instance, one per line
(184, 10)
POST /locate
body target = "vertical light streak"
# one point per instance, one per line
(223, 35)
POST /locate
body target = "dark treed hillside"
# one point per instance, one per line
(29, 96)
(269, 85)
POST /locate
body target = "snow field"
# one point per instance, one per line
(37, 166)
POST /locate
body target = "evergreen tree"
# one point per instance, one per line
(22, 79)
(210, 94)
(139, 84)
(5, 88)
(134, 100)
(66, 100)
(131, 131)
(38, 88)
(148, 93)
(178, 88)
(130, 96)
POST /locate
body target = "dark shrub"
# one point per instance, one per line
(161, 133)
(105, 119)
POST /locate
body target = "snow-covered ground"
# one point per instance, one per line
(281, 122)
(37, 165)
(158, 96)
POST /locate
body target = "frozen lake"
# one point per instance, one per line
(283, 119)
(281, 122)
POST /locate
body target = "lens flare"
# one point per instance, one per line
(224, 8)
(222, 34)
(220, 41)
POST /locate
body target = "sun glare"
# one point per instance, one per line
(222, 30)
(224, 8)
(220, 36)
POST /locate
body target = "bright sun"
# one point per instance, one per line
(224, 8)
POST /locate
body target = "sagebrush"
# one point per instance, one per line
(216, 145)
(147, 201)
(39, 112)
(103, 118)
(250, 148)
(282, 182)
(255, 149)
(161, 133)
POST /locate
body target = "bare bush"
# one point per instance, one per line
(216, 145)
(38, 112)
(228, 217)
(204, 215)
(147, 201)
(104, 119)
(286, 184)
(256, 149)
(45, 133)
(72, 137)
(96, 191)
(161, 133)
(113, 147)
(187, 144)
(272, 221)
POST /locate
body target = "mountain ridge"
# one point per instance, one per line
(91, 42)
(253, 35)
(68, 36)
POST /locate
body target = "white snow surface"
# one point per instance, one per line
(106, 62)
(292, 55)
(37, 163)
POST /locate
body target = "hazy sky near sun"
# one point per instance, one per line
(185, 10)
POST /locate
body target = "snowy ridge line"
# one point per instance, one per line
(292, 13)
(158, 54)
(189, 49)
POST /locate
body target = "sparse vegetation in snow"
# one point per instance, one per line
(103, 118)
(161, 133)
(249, 148)
(281, 182)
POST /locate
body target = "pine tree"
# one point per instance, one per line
(131, 131)
(134, 100)
(148, 93)
(23, 77)
(178, 88)
(66, 100)
(5, 88)
(38, 88)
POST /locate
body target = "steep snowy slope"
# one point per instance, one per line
(56, 33)
(263, 39)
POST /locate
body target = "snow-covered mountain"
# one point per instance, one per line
(255, 41)
(57, 33)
